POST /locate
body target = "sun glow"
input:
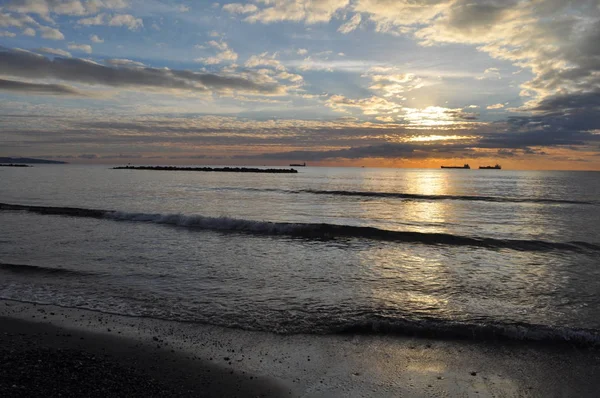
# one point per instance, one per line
(429, 138)
(436, 116)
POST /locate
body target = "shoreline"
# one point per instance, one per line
(202, 360)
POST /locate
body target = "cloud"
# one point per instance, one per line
(495, 106)
(124, 62)
(369, 106)
(391, 83)
(237, 8)
(122, 156)
(490, 73)
(29, 32)
(126, 20)
(394, 15)
(51, 33)
(131, 22)
(27, 65)
(16, 21)
(36, 88)
(537, 138)
(437, 116)
(96, 39)
(351, 25)
(344, 138)
(44, 8)
(302, 51)
(569, 114)
(387, 150)
(53, 51)
(308, 11)
(97, 20)
(555, 40)
(226, 54)
(290, 76)
(264, 59)
(7, 34)
(86, 48)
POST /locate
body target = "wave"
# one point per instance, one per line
(423, 328)
(307, 230)
(410, 196)
(36, 269)
(60, 211)
(474, 331)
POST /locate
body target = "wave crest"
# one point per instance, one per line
(410, 196)
(309, 230)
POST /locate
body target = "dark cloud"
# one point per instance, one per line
(589, 100)
(388, 150)
(541, 137)
(507, 153)
(564, 119)
(34, 66)
(470, 17)
(121, 156)
(37, 88)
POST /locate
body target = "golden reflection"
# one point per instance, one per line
(409, 282)
(418, 214)
(427, 215)
(412, 277)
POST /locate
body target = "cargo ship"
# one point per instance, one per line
(496, 167)
(465, 166)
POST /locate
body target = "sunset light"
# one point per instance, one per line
(299, 198)
(222, 82)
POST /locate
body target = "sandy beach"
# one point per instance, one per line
(54, 351)
(40, 359)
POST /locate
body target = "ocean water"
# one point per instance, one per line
(482, 254)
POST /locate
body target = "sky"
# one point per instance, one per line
(376, 83)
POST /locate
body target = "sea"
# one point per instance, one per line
(476, 254)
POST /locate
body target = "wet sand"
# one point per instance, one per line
(42, 360)
(48, 350)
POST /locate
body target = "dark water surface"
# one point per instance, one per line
(475, 253)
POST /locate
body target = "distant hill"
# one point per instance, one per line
(30, 160)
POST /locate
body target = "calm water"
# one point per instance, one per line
(326, 250)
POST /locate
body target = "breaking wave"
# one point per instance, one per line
(307, 230)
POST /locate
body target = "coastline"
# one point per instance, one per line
(188, 359)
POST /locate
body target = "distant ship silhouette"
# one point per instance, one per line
(466, 166)
(298, 164)
(496, 167)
